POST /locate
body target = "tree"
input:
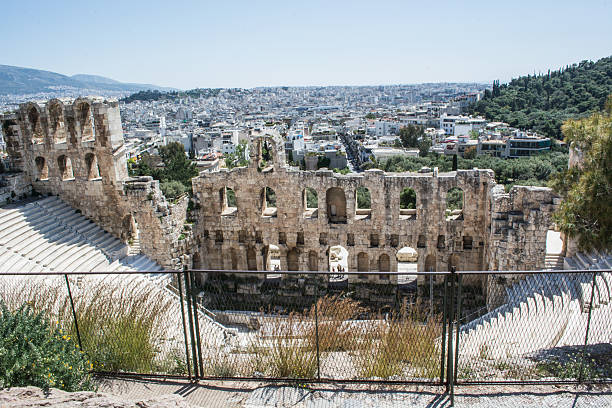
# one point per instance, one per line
(586, 210)
(176, 164)
(470, 152)
(323, 161)
(424, 146)
(410, 135)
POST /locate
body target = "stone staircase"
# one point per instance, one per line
(553, 262)
(49, 235)
(546, 310)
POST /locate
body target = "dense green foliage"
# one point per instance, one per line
(410, 135)
(311, 198)
(364, 198)
(408, 199)
(172, 189)
(230, 197)
(544, 102)
(534, 170)
(454, 199)
(34, 353)
(270, 197)
(323, 161)
(176, 166)
(586, 209)
(238, 158)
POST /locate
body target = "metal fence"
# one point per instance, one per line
(442, 328)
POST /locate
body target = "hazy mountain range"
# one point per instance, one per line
(18, 80)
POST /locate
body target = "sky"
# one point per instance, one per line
(225, 43)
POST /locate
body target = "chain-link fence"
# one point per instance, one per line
(544, 326)
(440, 327)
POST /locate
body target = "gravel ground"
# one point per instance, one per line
(259, 395)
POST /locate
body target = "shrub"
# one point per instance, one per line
(34, 353)
(286, 354)
(404, 342)
(336, 332)
(172, 189)
(122, 327)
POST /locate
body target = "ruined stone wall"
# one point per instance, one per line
(520, 221)
(227, 237)
(75, 150)
(161, 225)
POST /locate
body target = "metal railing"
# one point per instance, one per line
(445, 328)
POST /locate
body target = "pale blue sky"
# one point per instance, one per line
(187, 44)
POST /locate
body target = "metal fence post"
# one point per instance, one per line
(74, 316)
(197, 323)
(191, 331)
(586, 335)
(458, 326)
(443, 342)
(180, 288)
(316, 310)
(451, 321)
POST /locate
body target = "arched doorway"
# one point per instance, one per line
(293, 262)
(407, 265)
(384, 265)
(251, 259)
(338, 263)
(313, 261)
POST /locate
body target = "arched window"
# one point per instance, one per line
(408, 204)
(56, 118)
(363, 198)
(454, 204)
(91, 164)
(268, 202)
(42, 168)
(227, 203)
(311, 203)
(336, 205)
(85, 117)
(38, 136)
(65, 167)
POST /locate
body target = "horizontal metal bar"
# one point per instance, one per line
(325, 380)
(419, 273)
(534, 382)
(264, 379)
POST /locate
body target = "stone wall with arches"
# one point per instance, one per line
(336, 220)
(75, 149)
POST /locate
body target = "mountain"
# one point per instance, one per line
(18, 80)
(543, 102)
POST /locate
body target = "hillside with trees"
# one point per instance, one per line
(543, 102)
(586, 209)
